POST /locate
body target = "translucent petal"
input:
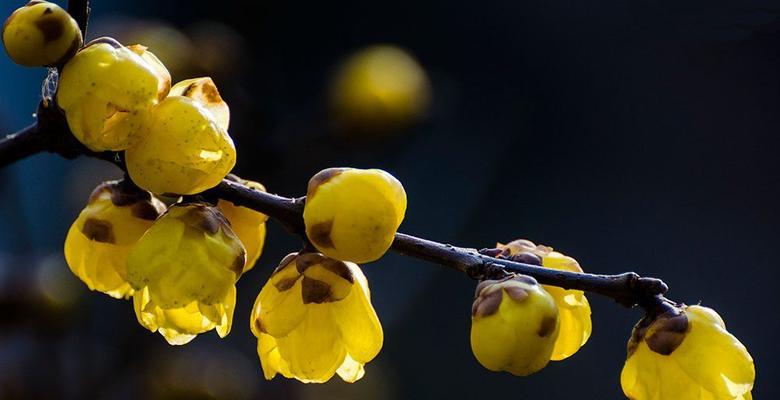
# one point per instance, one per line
(176, 338)
(713, 357)
(576, 325)
(351, 371)
(204, 91)
(314, 350)
(281, 312)
(361, 331)
(270, 360)
(249, 226)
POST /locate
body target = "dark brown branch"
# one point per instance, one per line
(79, 10)
(19, 145)
(628, 289)
(287, 211)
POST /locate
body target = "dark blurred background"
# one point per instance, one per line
(633, 135)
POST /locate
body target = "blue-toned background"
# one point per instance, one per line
(633, 135)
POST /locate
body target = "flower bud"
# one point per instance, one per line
(686, 354)
(573, 306)
(187, 148)
(107, 92)
(184, 271)
(353, 214)
(514, 325)
(96, 248)
(41, 34)
(314, 318)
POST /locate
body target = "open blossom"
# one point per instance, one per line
(313, 319)
(96, 248)
(686, 354)
(184, 271)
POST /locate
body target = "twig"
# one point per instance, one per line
(79, 10)
(19, 145)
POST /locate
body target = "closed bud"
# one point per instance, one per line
(187, 148)
(514, 325)
(353, 214)
(107, 92)
(41, 34)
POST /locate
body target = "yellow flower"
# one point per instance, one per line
(204, 91)
(313, 319)
(353, 214)
(686, 354)
(107, 92)
(96, 248)
(514, 324)
(248, 224)
(378, 88)
(187, 148)
(573, 306)
(41, 34)
(184, 271)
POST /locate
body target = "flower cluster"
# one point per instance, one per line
(120, 98)
(178, 263)
(313, 319)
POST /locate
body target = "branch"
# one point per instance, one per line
(21, 144)
(79, 10)
(628, 289)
